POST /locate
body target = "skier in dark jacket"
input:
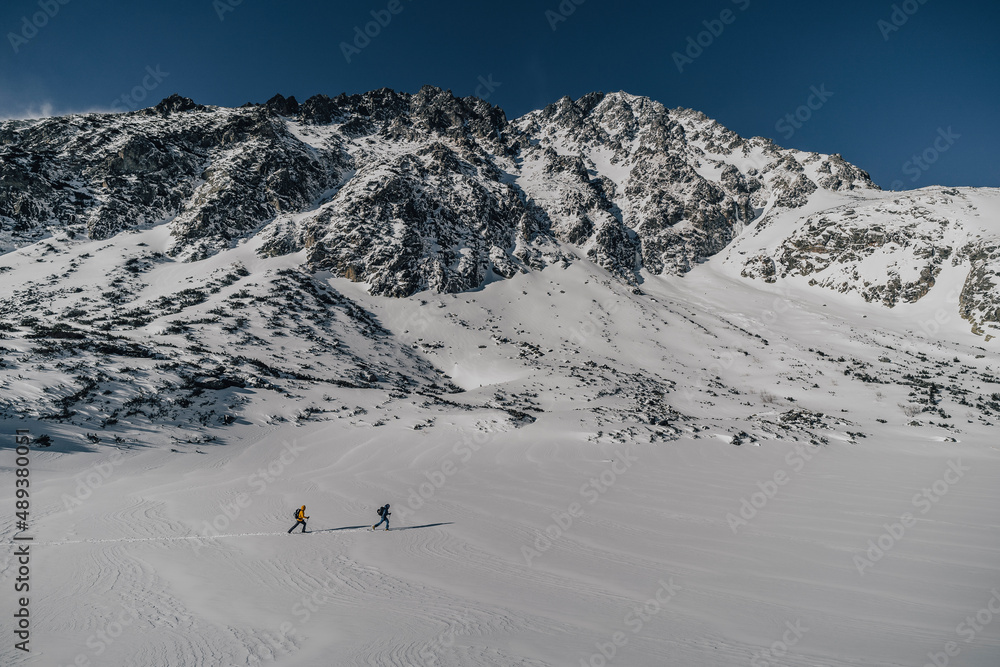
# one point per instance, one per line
(384, 513)
(300, 517)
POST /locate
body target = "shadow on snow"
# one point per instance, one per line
(427, 525)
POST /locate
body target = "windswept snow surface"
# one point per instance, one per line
(847, 529)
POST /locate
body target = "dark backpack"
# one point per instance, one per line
(296, 514)
(380, 510)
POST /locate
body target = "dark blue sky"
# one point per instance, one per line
(893, 93)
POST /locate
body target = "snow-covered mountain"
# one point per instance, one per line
(410, 298)
(431, 192)
(419, 194)
(892, 250)
(409, 192)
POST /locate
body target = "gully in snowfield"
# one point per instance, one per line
(300, 517)
(384, 513)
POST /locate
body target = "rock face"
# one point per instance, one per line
(217, 174)
(891, 249)
(408, 192)
(979, 301)
(643, 186)
(427, 191)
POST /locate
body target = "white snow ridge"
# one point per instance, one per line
(639, 391)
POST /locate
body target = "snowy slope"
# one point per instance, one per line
(178, 554)
(935, 245)
(649, 393)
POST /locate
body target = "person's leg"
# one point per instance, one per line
(303, 526)
(293, 527)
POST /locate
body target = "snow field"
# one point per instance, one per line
(850, 527)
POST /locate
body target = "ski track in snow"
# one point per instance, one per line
(459, 593)
(450, 585)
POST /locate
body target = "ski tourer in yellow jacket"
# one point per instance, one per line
(300, 517)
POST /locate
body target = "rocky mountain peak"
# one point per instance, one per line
(283, 106)
(175, 104)
(408, 192)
